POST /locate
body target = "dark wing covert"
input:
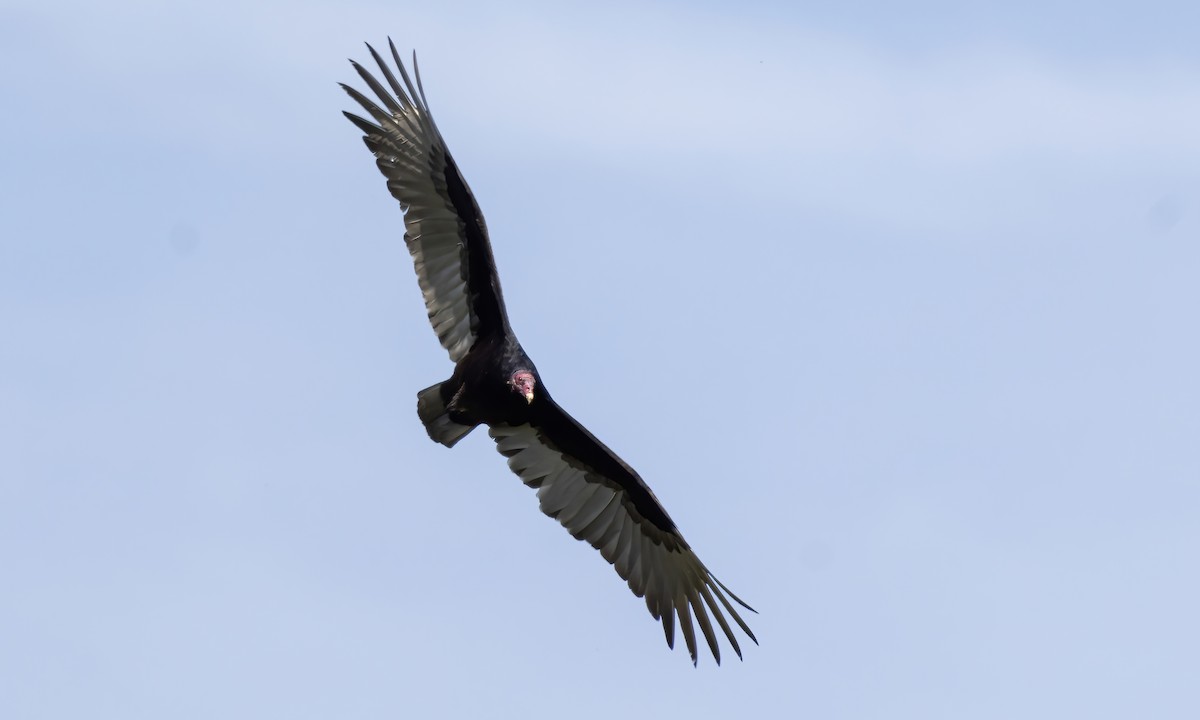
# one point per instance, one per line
(600, 499)
(443, 227)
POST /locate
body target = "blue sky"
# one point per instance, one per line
(894, 310)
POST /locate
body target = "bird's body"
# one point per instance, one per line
(480, 390)
(580, 482)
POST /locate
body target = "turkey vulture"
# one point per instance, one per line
(580, 482)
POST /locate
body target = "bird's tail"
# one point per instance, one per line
(431, 407)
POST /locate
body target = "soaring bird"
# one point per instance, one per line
(580, 482)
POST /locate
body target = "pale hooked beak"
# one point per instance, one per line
(523, 383)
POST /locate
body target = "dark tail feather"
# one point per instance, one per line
(431, 408)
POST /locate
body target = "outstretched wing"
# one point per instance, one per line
(443, 227)
(600, 499)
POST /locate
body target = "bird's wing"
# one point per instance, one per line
(600, 499)
(443, 227)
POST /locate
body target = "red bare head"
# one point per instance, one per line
(522, 383)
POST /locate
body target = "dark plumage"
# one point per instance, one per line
(579, 481)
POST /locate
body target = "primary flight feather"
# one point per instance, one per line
(580, 482)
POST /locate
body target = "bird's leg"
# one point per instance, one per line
(456, 407)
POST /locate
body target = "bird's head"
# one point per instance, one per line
(522, 382)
